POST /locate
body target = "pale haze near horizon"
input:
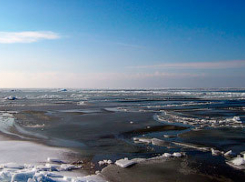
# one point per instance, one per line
(121, 44)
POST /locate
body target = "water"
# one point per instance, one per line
(101, 124)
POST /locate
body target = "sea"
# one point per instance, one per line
(205, 126)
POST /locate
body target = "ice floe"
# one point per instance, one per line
(199, 123)
(11, 98)
(153, 141)
(142, 140)
(54, 160)
(216, 152)
(193, 146)
(81, 103)
(229, 153)
(63, 90)
(237, 162)
(124, 163)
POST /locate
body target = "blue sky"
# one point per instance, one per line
(122, 44)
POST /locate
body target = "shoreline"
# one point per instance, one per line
(27, 159)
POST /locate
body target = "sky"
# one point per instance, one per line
(122, 43)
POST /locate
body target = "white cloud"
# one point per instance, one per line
(197, 65)
(26, 37)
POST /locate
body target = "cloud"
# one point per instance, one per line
(26, 37)
(196, 65)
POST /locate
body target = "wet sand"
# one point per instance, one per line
(172, 170)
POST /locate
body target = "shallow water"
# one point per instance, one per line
(101, 124)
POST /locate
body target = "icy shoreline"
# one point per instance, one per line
(25, 161)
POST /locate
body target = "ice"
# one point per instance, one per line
(52, 167)
(81, 103)
(22, 176)
(67, 167)
(158, 142)
(116, 109)
(31, 180)
(5, 175)
(105, 162)
(153, 141)
(41, 168)
(54, 175)
(169, 136)
(177, 154)
(23, 161)
(12, 166)
(199, 123)
(54, 160)
(125, 162)
(11, 98)
(91, 178)
(142, 140)
(188, 145)
(243, 153)
(238, 161)
(167, 155)
(216, 152)
(32, 173)
(228, 153)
